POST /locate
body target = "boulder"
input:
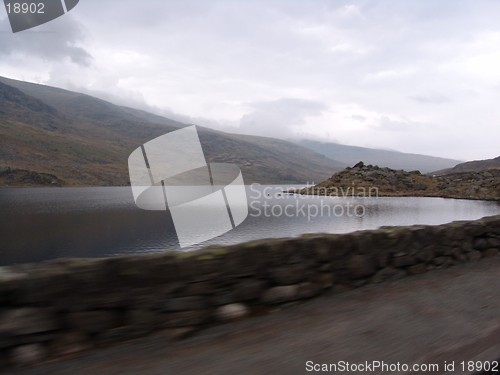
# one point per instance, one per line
(69, 343)
(308, 290)
(280, 294)
(417, 269)
(26, 321)
(490, 252)
(27, 354)
(250, 289)
(474, 256)
(92, 321)
(231, 312)
(388, 273)
(289, 274)
(184, 304)
(361, 266)
(403, 260)
(185, 318)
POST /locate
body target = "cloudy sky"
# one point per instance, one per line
(416, 76)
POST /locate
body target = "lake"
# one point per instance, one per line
(46, 223)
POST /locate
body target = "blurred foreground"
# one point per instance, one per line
(451, 315)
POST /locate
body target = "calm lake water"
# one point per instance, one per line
(46, 223)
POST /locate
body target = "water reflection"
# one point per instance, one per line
(40, 224)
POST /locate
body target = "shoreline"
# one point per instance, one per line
(402, 195)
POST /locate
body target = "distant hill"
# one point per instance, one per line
(471, 166)
(372, 181)
(392, 159)
(50, 134)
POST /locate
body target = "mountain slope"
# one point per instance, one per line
(85, 141)
(268, 158)
(472, 166)
(392, 159)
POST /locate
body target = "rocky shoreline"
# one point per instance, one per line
(15, 177)
(371, 180)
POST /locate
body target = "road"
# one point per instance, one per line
(446, 315)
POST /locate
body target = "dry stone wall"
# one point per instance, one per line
(63, 307)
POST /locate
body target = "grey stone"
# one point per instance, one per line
(387, 273)
(119, 334)
(198, 289)
(490, 252)
(341, 288)
(361, 266)
(69, 343)
(42, 337)
(231, 312)
(403, 260)
(224, 297)
(425, 255)
(184, 318)
(383, 257)
(417, 269)
(327, 267)
(308, 290)
(184, 304)
(325, 280)
(26, 321)
(28, 354)
(461, 258)
(359, 283)
(92, 321)
(493, 242)
(146, 320)
(287, 275)
(280, 294)
(247, 290)
(179, 333)
(480, 244)
(96, 301)
(440, 260)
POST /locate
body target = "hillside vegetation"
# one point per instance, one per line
(84, 141)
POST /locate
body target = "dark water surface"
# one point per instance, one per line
(46, 223)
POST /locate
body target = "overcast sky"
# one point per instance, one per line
(415, 76)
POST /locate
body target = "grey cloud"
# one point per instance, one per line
(431, 99)
(358, 117)
(209, 58)
(54, 41)
(277, 117)
(388, 124)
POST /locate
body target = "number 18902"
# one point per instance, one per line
(25, 8)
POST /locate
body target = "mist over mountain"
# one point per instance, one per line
(85, 141)
(386, 158)
(472, 166)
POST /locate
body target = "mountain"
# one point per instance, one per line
(471, 166)
(392, 159)
(52, 136)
